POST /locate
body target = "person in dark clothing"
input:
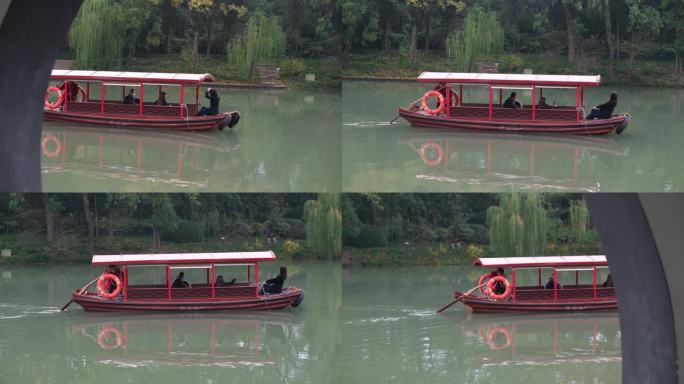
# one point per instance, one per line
(130, 98)
(275, 285)
(549, 284)
(542, 103)
(179, 282)
(116, 271)
(222, 283)
(605, 110)
(510, 102)
(214, 100)
(161, 100)
(609, 281)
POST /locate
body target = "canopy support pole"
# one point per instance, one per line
(182, 99)
(142, 97)
(213, 279)
(87, 91)
(534, 103)
(168, 281)
(577, 102)
(460, 94)
(491, 95)
(125, 283)
(555, 285)
(513, 279)
(102, 97)
(256, 278)
(595, 295)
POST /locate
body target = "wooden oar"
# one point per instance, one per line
(460, 298)
(398, 116)
(80, 292)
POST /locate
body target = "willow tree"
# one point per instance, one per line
(480, 38)
(324, 224)
(579, 219)
(518, 225)
(95, 36)
(262, 40)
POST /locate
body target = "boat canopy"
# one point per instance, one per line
(133, 77)
(184, 258)
(542, 261)
(510, 79)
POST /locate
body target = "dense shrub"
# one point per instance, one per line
(479, 234)
(257, 229)
(292, 68)
(135, 228)
(295, 229)
(293, 249)
(186, 232)
(370, 236)
(237, 229)
(473, 252)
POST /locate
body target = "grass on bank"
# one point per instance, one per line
(393, 64)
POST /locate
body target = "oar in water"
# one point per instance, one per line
(80, 292)
(398, 116)
(460, 298)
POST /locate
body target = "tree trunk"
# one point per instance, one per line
(427, 36)
(385, 39)
(414, 43)
(169, 38)
(571, 34)
(195, 48)
(208, 38)
(49, 219)
(89, 221)
(609, 37)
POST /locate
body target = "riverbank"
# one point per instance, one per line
(393, 66)
(292, 70)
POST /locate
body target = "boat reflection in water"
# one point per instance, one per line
(155, 157)
(492, 161)
(541, 340)
(134, 340)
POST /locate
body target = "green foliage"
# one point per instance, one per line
(480, 39)
(293, 249)
(324, 224)
(369, 236)
(292, 68)
(186, 232)
(518, 225)
(511, 63)
(473, 252)
(262, 41)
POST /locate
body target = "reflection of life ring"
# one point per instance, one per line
(490, 288)
(425, 155)
(105, 335)
(440, 100)
(491, 338)
(481, 281)
(57, 103)
(102, 286)
(45, 143)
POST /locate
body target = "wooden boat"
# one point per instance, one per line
(536, 298)
(453, 112)
(204, 296)
(77, 104)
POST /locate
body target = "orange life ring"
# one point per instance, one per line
(440, 99)
(102, 289)
(491, 338)
(436, 148)
(57, 103)
(44, 146)
(490, 288)
(104, 336)
(481, 281)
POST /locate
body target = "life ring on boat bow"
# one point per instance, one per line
(106, 334)
(102, 286)
(491, 338)
(57, 103)
(425, 155)
(45, 146)
(490, 288)
(440, 100)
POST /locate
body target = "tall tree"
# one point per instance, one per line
(324, 224)
(518, 225)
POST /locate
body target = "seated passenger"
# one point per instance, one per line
(275, 285)
(549, 284)
(161, 100)
(609, 281)
(179, 282)
(605, 110)
(542, 103)
(214, 100)
(116, 271)
(510, 102)
(130, 98)
(222, 283)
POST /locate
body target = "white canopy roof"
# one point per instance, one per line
(134, 77)
(541, 261)
(509, 79)
(183, 258)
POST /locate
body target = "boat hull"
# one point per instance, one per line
(290, 296)
(480, 304)
(583, 127)
(191, 123)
